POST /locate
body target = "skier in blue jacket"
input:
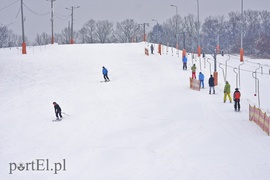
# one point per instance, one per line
(201, 78)
(105, 74)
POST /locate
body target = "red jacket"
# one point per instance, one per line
(236, 94)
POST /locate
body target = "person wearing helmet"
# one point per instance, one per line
(236, 98)
(57, 110)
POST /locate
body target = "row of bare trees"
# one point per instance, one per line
(213, 31)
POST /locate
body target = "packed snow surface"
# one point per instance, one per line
(145, 124)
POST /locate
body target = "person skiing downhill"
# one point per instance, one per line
(236, 98)
(105, 74)
(57, 110)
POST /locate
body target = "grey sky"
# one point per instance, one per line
(114, 10)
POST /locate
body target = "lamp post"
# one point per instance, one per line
(198, 30)
(71, 33)
(241, 49)
(157, 33)
(176, 35)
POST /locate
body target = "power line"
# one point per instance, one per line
(38, 14)
(61, 17)
(9, 5)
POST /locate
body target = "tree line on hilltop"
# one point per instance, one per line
(220, 30)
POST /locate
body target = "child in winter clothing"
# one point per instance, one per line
(236, 98)
(227, 92)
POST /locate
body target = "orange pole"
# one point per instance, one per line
(199, 51)
(159, 49)
(241, 55)
(71, 41)
(215, 78)
(184, 53)
(23, 48)
(218, 49)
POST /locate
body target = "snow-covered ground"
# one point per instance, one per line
(146, 124)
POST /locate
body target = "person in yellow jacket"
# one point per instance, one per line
(227, 92)
(193, 69)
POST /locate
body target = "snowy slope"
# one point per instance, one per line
(146, 124)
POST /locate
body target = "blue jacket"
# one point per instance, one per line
(201, 76)
(104, 70)
(184, 59)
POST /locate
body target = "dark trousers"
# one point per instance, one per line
(237, 104)
(184, 66)
(106, 77)
(58, 113)
(212, 87)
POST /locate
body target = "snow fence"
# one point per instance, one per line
(260, 118)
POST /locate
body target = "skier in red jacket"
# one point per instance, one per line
(236, 98)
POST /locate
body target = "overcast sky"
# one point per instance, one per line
(37, 12)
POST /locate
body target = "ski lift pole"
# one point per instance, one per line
(239, 73)
(226, 64)
(234, 70)
(209, 64)
(256, 80)
(222, 71)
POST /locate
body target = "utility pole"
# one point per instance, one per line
(242, 50)
(23, 39)
(72, 36)
(157, 33)
(52, 13)
(199, 47)
(144, 34)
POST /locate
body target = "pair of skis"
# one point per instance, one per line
(60, 119)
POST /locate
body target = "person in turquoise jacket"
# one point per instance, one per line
(227, 92)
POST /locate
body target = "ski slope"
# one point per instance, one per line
(145, 124)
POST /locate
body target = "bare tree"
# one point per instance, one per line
(126, 30)
(104, 30)
(4, 34)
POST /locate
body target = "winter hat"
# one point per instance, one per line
(236, 89)
(54, 102)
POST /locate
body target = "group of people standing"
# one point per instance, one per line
(211, 83)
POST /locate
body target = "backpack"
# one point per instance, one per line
(237, 95)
